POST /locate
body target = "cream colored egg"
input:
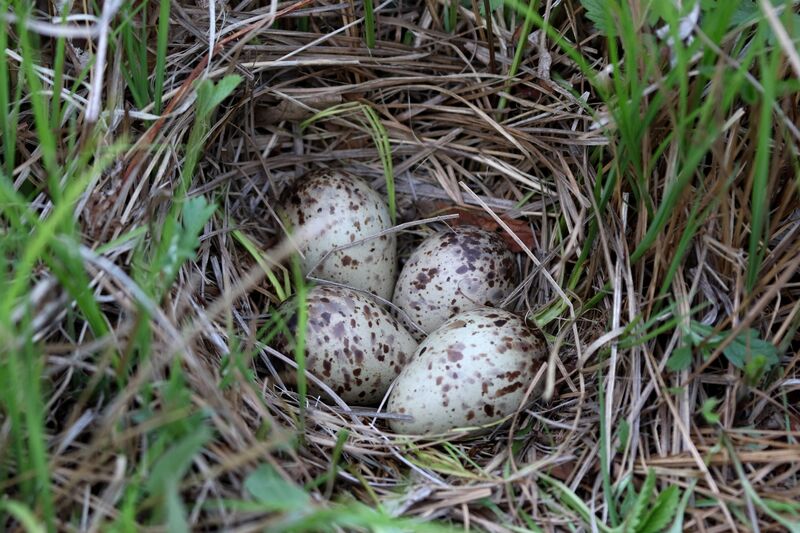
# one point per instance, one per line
(473, 370)
(454, 271)
(352, 344)
(347, 210)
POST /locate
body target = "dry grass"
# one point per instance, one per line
(538, 169)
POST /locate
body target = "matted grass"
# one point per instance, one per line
(642, 159)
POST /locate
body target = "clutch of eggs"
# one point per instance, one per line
(477, 362)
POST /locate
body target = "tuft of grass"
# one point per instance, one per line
(132, 35)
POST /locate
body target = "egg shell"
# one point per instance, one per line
(348, 210)
(473, 370)
(454, 271)
(352, 344)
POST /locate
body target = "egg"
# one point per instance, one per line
(347, 210)
(453, 271)
(473, 370)
(352, 344)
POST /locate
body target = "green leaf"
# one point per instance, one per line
(183, 243)
(662, 511)
(747, 346)
(749, 11)
(569, 498)
(755, 369)
(173, 464)
(744, 348)
(23, 515)
(165, 479)
(209, 96)
(601, 13)
(680, 359)
(624, 433)
(708, 410)
(637, 514)
(701, 334)
(628, 501)
(274, 492)
(176, 511)
(677, 525)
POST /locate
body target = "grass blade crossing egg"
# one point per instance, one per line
(350, 211)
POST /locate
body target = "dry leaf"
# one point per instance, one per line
(478, 217)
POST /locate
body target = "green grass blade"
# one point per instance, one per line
(261, 259)
(134, 51)
(161, 52)
(44, 132)
(23, 515)
(8, 126)
(530, 16)
(758, 199)
(379, 136)
(58, 79)
(301, 292)
(32, 394)
(369, 23)
(381, 139)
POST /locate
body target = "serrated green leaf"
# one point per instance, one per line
(273, 492)
(748, 11)
(743, 349)
(183, 242)
(601, 13)
(699, 334)
(677, 525)
(661, 512)
(628, 501)
(637, 514)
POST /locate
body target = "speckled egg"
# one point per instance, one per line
(352, 344)
(453, 271)
(473, 370)
(349, 210)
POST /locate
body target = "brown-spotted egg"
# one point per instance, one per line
(348, 211)
(453, 271)
(352, 344)
(473, 370)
